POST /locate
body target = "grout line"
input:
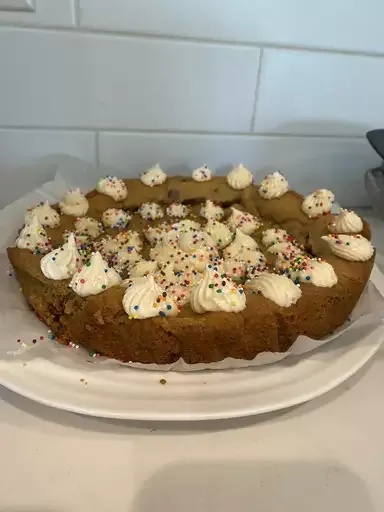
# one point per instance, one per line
(186, 39)
(212, 133)
(97, 149)
(76, 12)
(256, 97)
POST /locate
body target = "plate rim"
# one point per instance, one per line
(359, 360)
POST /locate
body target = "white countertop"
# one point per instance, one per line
(326, 455)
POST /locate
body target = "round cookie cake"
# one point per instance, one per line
(201, 268)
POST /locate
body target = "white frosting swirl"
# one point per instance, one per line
(115, 218)
(313, 271)
(279, 289)
(82, 241)
(201, 257)
(194, 249)
(273, 235)
(153, 176)
(221, 235)
(202, 174)
(88, 227)
(246, 222)
(210, 210)
(188, 277)
(215, 292)
(186, 224)
(191, 240)
(151, 211)
(177, 210)
(94, 277)
(180, 291)
(248, 262)
(33, 237)
(273, 186)
(239, 178)
(284, 262)
(74, 203)
(171, 236)
(108, 246)
(143, 268)
(163, 253)
(350, 247)
(346, 222)
(112, 187)
(63, 262)
(252, 257)
(129, 239)
(284, 248)
(318, 203)
(126, 255)
(46, 215)
(144, 298)
(234, 269)
(179, 294)
(240, 242)
(253, 271)
(155, 234)
(182, 261)
(165, 277)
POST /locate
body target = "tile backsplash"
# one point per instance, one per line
(127, 83)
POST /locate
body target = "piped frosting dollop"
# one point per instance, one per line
(88, 227)
(202, 173)
(239, 178)
(350, 247)
(279, 289)
(273, 235)
(94, 277)
(246, 222)
(63, 262)
(115, 218)
(144, 298)
(153, 176)
(34, 237)
(151, 211)
(112, 187)
(46, 215)
(177, 210)
(215, 292)
(74, 203)
(210, 210)
(220, 233)
(318, 203)
(305, 269)
(273, 186)
(346, 222)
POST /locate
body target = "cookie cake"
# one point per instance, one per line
(201, 268)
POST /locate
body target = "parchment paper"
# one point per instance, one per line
(25, 337)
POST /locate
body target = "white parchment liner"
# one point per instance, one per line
(19, 323)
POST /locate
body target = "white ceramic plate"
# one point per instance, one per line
(127, 393)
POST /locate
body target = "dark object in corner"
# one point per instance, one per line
(374, 178)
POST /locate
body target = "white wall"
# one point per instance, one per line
(287, 83)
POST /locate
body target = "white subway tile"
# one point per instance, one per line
(20, 148)
(309, 163)
(59, 13)
(343, 24)
(319, 93)
(79, 80)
